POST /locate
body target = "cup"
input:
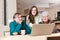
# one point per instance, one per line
(22, 32)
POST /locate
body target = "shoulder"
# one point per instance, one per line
(27, 16)
(13, 22)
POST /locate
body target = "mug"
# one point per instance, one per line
(22, 32)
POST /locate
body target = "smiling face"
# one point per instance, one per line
(34, 11)
(45, 19)
(17, 17)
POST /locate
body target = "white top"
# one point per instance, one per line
(37, 20)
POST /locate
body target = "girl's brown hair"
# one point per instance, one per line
(31, 17)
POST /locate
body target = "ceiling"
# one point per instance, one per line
(38, 3)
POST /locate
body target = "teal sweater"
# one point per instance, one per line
(16, 27)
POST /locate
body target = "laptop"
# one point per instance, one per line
(42, 29)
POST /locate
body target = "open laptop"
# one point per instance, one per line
(42, 29)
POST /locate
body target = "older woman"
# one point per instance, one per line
(46, 20)
(45, 17)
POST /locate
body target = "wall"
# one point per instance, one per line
(52, 11)
(11, 9)
(1, 16)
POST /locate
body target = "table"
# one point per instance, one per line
(53, 38)
(29, 37)
(57, 24)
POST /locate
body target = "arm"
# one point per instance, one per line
(27, 20)
(13, 29)
(27, 28)
(18, 28)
